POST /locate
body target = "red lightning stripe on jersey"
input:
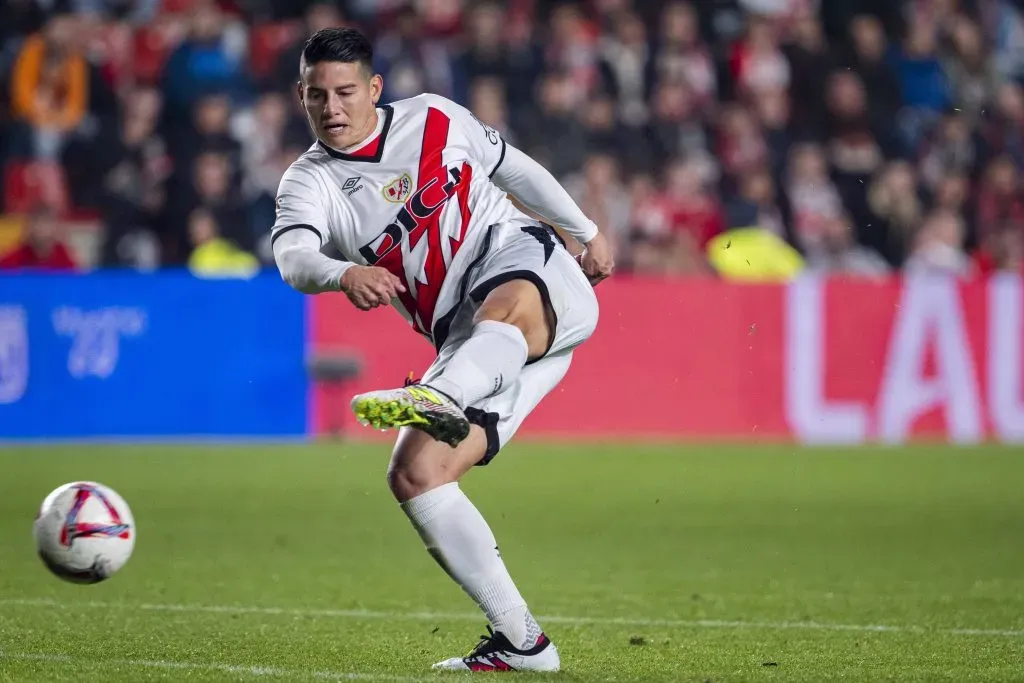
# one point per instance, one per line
(435, 186)
(421, 306)
(435, 138)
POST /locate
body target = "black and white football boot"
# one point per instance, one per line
(496, 653)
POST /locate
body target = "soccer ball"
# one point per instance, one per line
(84, 532)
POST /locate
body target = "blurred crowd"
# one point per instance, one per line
(853, 136)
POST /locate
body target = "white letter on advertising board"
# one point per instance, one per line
(13, 354)
(96, 337)
(1005, 399)
(813, 418)
(930, 313)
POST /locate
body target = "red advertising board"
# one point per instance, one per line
(810, 361)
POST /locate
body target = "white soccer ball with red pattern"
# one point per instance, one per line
(84, 532)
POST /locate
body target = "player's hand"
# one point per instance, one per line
(369, 286)
(597, 261)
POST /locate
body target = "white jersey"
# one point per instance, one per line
(416, 200)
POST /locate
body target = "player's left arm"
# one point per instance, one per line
(533, 186)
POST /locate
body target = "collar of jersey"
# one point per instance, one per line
(388, 114)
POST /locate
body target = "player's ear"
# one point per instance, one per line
(298, 92)
(376, 87)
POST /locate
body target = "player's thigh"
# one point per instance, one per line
(419, 463)
(520, 303)
(544, 279)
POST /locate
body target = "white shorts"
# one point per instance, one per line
(515, 252)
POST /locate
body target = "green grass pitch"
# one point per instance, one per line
(643, 563)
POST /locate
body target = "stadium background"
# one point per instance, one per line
(818, 216)
(817, 208)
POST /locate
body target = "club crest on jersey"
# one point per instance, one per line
(413, 217)
(398, 190)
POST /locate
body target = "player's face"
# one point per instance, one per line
(340, 99)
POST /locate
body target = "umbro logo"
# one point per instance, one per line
(352, 185)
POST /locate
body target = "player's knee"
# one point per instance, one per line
(410, 475)
(420, 464)
(409, 480)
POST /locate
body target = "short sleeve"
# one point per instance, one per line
(300, 204)
(485, 143)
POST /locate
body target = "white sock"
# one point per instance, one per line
(457, 536)
(489, 360)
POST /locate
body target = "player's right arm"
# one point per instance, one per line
(535, 188)
(298, 236)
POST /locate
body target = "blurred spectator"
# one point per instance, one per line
(1002, 251)
(837, 252)
(938, 246)
(812, 196)
(671, 227)
(212, 255)
(264, 129)
(41, 246)
(951, 148)
(485, 53)
(896, 210)
(572, 49)
(210, 60)
(812, 62)
(773, 112)
(758, 204)
(870, 46)
(1005, 132)
(694, 213)
(972, 79)
(680, 57)
(757, 62)
(604, 133)
(553, 133)
(414, 61)
(50, 87)
(676, 130)
(999, 197)
(210, 132)
(648, 227)
(133, 168)
(623, 66)
(599, 189)
(741, 146)
(273, 140)
(952, 192)
(1006, 25)
(854, 146)
(923, 82)
(212, 188)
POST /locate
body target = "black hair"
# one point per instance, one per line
(338, 45)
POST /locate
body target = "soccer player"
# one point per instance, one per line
(415, 197)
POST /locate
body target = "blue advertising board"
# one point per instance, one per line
(122, 354)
